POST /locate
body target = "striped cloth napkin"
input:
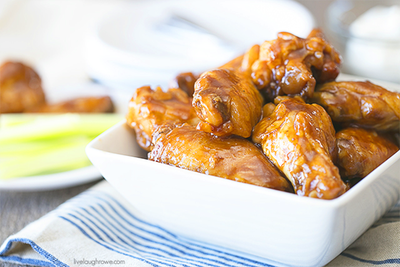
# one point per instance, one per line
(99, 227)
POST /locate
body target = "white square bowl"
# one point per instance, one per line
(282, 228)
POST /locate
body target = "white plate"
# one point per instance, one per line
(140, 49)
(52, 181)
(283, 228)
(73, 177)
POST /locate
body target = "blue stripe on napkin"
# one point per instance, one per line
(107, 222)
(104, 219)
(20, 260)
(48, 256)
(387, 261)
(393, 215)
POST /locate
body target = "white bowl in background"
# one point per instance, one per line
(369, 37)
(131, 47)
(281, 228)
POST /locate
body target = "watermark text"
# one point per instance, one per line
(97, 262)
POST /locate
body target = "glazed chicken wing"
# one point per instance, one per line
(20, 88)
(360, 151)
(226, 103)
(101, 104)
(234, 64)
(233, 158)
(361, 104)
(331, 62)
(185, 81)
(251, 56)
(290, 65)
(300, 140)
(148, 109)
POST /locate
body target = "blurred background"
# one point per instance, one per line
(125, 44)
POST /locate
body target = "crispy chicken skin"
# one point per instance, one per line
(226, 103)
(232, 157)
(290, 65)
(148, 109)
(360, 151)
(362, 104)
(102, 104)
(300, 140)
(20, 88)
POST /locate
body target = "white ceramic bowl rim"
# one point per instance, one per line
(337, 202)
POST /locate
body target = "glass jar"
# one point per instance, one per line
(368, 34)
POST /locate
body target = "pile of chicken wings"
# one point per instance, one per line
(21, 91)
(273, 117)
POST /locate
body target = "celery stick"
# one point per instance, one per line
(39, 129)
(13, 119)
(59, 158)
(41, 144)
(44, 127)
(38, 146)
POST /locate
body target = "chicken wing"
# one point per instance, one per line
(290, 65)
(185, 81)
(331, 63)
(360, 151)
(102, 104)
(249, 58)
(232, 158)
(361, 104)
(226, 103)
(20, 88)
(234, 64)
(300, 140)
(148, 109)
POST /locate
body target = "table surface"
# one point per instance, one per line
(17, 209)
